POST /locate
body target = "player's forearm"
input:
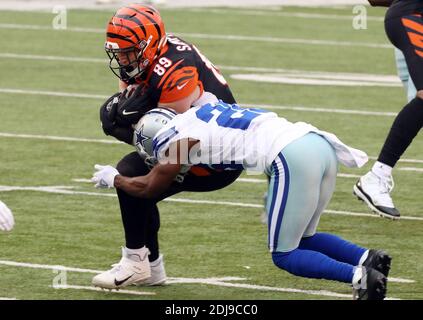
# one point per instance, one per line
(137, 187)
(380, 3)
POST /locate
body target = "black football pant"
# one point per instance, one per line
(406, 33)
(140, 216)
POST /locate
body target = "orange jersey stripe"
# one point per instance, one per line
(416, 39)
(180, 84)
(419, 53)
(412, 25)
(199, 171)
(169, 72)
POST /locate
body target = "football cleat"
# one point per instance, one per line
(378, 260)
(158, 274)
(130, 269)
(368, 284)
(374, 191)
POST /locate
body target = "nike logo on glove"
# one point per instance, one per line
(182, 85)
(120, 282)
(127, 113)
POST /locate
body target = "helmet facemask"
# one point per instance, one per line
(128, 63)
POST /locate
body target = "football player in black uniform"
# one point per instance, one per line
(155, 69)
(404, 28)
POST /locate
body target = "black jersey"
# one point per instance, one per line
(179, 69)
(400, 8)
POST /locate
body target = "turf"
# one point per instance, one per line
(198, 240)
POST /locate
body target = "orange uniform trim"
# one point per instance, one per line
(412, 25)
(199, 171)
(180, 84)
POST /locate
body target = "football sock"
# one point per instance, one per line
(405, 127)
(381, 170)
(134, 254)
(312, 264)
(153, 234)
(334, 247)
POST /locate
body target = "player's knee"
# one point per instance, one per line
(282, 260)
(420, 94)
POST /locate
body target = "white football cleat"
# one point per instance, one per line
(130, 269)
(7, 221)
(158, 274)
(374, 191)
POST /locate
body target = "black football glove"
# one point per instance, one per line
(108, 113)
(108, 120)
(133, 104)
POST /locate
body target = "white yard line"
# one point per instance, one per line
(7, 55)
(104, 141)
(410, 169)
(319, 110)
(264, 106)
(269, 13)
(89, 288)
(68, 190)
(320, 79)
(54, 93)
(56, 138)
(222, 282)
(292, 72)
(216, 37)
(244, 180)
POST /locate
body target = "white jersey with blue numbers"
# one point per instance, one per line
(232, 137)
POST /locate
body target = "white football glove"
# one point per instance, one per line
(6, 218)
(104, 176)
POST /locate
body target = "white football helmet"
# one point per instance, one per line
(147, 127)
(144, 132)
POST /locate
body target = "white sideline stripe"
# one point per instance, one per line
(120, 291)
(56, 138)
(284, 14)
(66, 190)
(264, 106)
(4, 298)
(215, 36)
(62, 138)
(211, 281)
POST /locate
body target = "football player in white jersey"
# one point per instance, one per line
(302, 163)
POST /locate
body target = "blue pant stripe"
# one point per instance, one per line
(284, 200)
(274, 195)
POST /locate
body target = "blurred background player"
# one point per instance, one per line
(154, 68)
(404, 75)
(404, 28)
(7, 222)
(299, 191)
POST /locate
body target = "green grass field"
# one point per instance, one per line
(78, 226)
